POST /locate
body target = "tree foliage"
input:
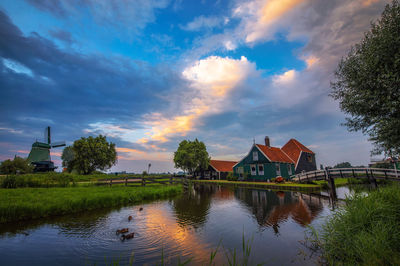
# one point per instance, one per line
(18, 165)
(367, 83)
(68, 157)
(343, 165)
(191, 155)
(90, 154)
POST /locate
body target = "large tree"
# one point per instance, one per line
(367, 83)
(191, 155)
(92, 153)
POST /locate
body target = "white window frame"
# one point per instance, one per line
(255, 169)
(258, 169)
(289, 169)
(255, 155)
(278, 169)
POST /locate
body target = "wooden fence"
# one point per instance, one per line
(143, 181)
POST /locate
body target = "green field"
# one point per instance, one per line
(31, 203)
(365, 231)
(53, 179)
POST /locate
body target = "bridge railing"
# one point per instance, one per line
(377, 173)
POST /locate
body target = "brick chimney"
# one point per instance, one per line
(267, 141)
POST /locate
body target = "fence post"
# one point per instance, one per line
(385, 174)
(143, 182)
(341, 174)
(126, 181)
(354, 175)
(331, 182)
(374, 184)
(170, 180)
(110, 181)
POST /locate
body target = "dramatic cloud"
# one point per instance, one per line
(212, 79)
(202, 73)
(130, 15)
(62, 35)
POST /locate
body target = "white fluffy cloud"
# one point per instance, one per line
(212, 80)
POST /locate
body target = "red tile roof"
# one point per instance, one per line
(222, 166)
(275, 154)
(293, 149)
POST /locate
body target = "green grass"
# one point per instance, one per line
(31, 203)
(286, 184)
(54, 179)
(366, 231)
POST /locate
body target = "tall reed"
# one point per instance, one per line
(366, 231)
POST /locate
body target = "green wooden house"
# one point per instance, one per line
(264, 162)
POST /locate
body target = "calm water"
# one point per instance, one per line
(188, 226)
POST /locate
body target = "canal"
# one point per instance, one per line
(205, 218)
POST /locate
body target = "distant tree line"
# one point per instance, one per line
(17, 166)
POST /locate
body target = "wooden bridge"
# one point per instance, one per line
(372, 174)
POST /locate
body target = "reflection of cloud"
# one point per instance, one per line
(164, 228)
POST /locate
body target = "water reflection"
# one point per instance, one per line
(193, 207)
(271, 208)
(187, 226)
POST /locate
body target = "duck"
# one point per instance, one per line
(128, 236)
(130, 218)
(140, 209)
(122, 231)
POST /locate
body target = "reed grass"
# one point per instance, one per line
(365, 231)
(31, 203)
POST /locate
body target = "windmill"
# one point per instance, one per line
(40, 153)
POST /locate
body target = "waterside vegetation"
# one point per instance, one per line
(31, 203)
(365, 231)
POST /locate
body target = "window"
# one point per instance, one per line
(255, 156)
(289, 169)
(260, 169)
(278, 169)
(309, 158)
(239, 170)
(253, 169)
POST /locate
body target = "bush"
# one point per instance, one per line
(231, 177)
(9, 182)
(17, 166)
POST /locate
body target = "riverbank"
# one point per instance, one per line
(282, 186)
(365, 231)
(32, 203)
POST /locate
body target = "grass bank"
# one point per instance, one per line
(54, 179)
(284, 186)
(31, 203)
(366, 231)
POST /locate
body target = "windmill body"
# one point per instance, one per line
(40, 153)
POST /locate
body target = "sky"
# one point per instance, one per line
(149, 74)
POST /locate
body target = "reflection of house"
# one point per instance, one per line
(218, 169)
(302, 156)
(264, 162)
(271, 208)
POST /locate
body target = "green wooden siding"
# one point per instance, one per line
(269, 167)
